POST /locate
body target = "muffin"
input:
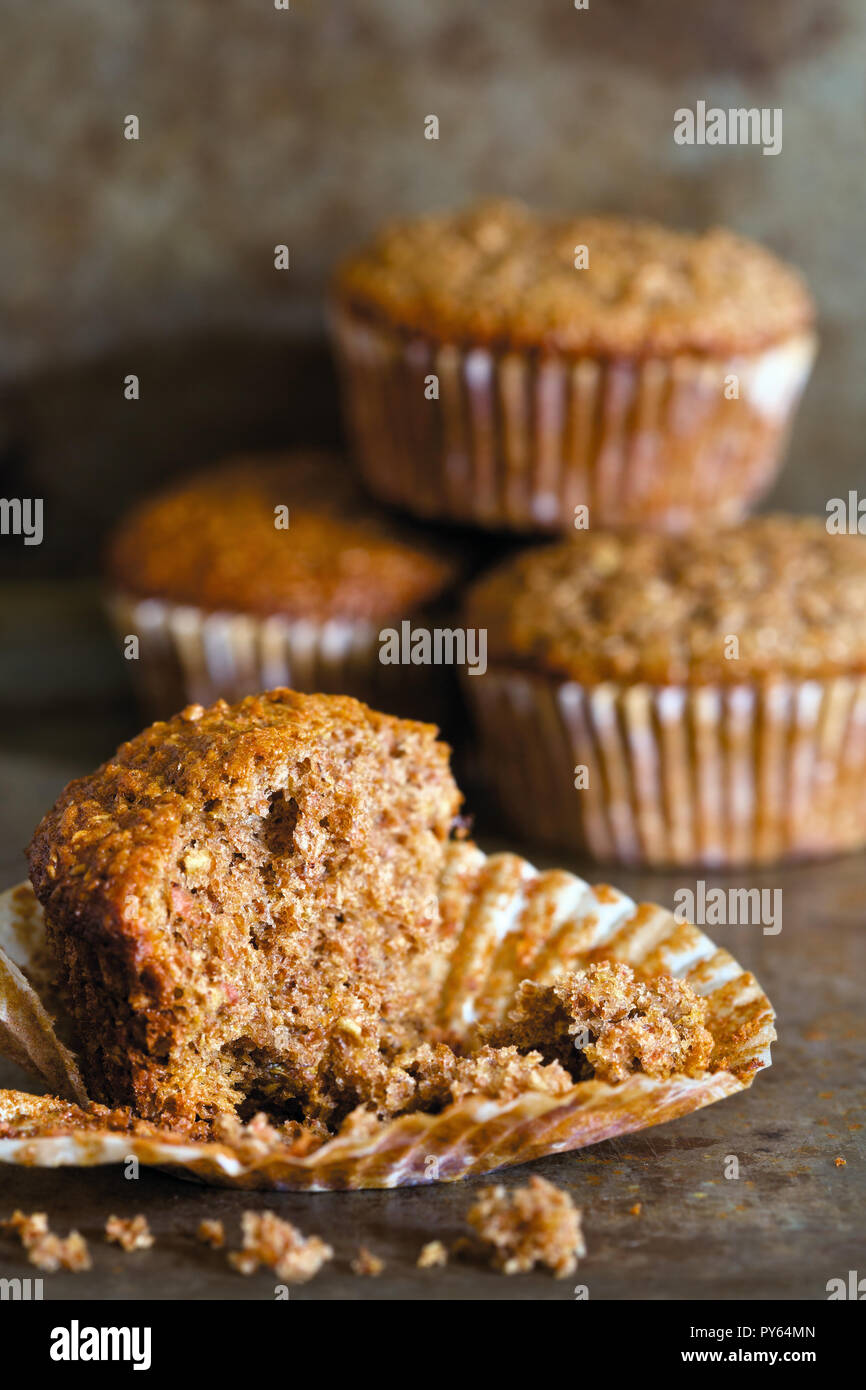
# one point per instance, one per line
(243, 906)
(507, 369)
(267, 571)
(673, 700)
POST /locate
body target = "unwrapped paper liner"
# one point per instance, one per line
(510, 922)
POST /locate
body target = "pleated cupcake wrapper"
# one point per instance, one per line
(190, 656)
(511, 922)
(520, 439)
(710, 775)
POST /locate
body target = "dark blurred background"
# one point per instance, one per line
(306, 127)
(261, 126)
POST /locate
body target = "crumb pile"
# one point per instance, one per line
(442, 1076)
(526, 1226)
(606, 1022)
(242, 903)
(45, 1250)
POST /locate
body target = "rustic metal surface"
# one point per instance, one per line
(790, 1222)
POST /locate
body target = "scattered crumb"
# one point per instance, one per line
(366, 1262)
(130, 1234)
(536, 1224)
(432, 1255)
(636, 1209)
(46, 1250)
(270, 1241)
(211, 1233)
(841, 1162)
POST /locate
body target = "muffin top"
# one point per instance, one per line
(496, 272)
(662, 609)
(214, 541)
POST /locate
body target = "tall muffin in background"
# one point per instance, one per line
(273, 570)
(504, 369)
(675, 700)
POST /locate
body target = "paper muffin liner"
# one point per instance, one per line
(709, 775)
(510, 922)
(187, 655)
(519, 439)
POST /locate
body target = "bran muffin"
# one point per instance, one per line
(666, 700)
(506, 368)
(243, 906)
(271, 570)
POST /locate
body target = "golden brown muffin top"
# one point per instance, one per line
(496, 272)
(213, 542)
(662, 609)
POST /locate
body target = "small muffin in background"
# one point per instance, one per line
(680, 700)
(273, 570)
(504, 368)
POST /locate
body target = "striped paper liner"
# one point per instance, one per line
(705, 775)
(188, 655)
(518, 440)
(510, 922)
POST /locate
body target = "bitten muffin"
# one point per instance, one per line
(243, 905)
(665, 700)
(272, 570)
(508, 369)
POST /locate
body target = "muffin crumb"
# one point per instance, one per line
(270, 1241)
(211, 1233)
(366, 1263)
(525, 1226)
(501, 1073)
(606, 1022)
(433, 1255)
(130, 1233)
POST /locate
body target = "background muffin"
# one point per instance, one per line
(272, 570)
(674, 700)
(648, 374)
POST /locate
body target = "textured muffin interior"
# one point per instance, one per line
(244, 911)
